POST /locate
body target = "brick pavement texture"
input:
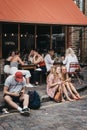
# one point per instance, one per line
(51, 116)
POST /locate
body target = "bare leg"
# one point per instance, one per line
(74, 90)
(8, 99)
(25, 99)
(61, 90)
(70, 90)
(66, 94)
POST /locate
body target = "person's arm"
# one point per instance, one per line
(67, 80)
(50, 81)
(9, 58)
(53, 84)
(29, 56)
(48, 59)
(36, 61)
(5, 91)
(20, 61)
(65, 60)
(22, 91)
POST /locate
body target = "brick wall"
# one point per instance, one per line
(85, 37)
(75, 40)
(79, 40)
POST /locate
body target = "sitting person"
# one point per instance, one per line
(48, 59)
(7, 62)
(13, 68)
(14, 91)
(16, 60)
(69, 86)
(41, 67)
(53, 79)
(11, 55)
(69, 57)
(30, 56)
(54, 82)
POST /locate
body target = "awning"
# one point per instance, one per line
(63, 12)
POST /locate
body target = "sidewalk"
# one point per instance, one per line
(41, 89)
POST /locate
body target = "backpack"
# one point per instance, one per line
(34, 100)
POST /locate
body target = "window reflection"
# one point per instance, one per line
(58, 39)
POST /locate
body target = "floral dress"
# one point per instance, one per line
(51, 90)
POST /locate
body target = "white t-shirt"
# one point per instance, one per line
(68, 60)
(48, 61)
(13, 85)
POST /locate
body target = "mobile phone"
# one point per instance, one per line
(21, 93)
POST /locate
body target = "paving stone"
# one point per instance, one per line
(51, 115)
(67, 116)
(1, 128)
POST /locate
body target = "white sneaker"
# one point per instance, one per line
(5, 111)
(29, 85)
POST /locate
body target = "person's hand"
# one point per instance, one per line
(59, 83)
(21, 93)
(69, 79)
(15, 94)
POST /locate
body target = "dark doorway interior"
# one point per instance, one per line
(9, 38)
(58, 39)
(43, 38)
(27, 36)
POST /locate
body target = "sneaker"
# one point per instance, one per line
(36, 84)
(5, 111)
(25, 112)
(29, 85)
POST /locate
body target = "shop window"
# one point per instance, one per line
(43, 38)
(27, 38)
(58, 39)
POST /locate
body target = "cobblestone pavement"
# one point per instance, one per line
(51, 116)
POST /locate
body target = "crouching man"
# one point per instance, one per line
(14, 91)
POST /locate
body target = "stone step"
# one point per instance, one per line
(41, 89)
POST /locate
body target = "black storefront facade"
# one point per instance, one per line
(25, 37)
(37, 24)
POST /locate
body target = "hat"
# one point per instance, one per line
(19, 76)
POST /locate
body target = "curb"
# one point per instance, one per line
(46, 98)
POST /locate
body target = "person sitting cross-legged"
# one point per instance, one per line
(14, 91)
